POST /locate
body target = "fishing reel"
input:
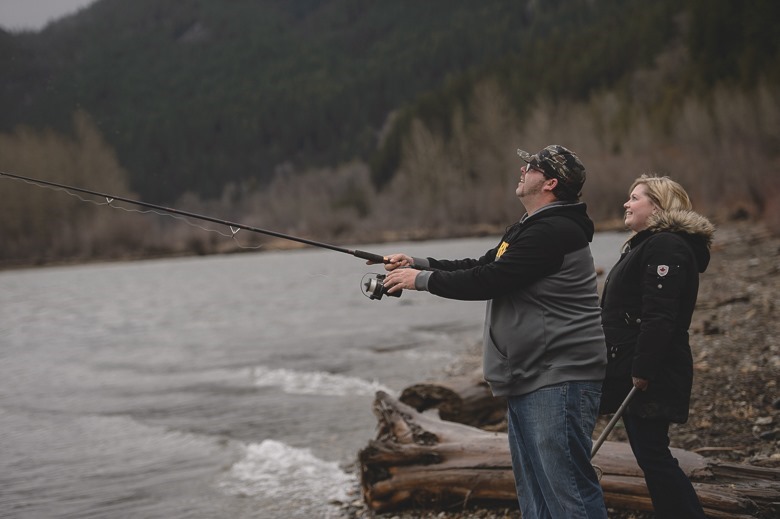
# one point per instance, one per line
(374, 287)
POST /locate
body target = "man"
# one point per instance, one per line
(543, 344)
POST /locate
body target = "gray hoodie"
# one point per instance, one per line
(542, 323)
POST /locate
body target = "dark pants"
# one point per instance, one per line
(670, 489)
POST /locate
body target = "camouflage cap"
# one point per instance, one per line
(559, 163)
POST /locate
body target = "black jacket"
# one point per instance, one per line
(646, 310)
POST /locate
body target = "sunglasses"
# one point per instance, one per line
(530, 167)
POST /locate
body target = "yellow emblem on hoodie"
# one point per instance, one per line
(502, 249)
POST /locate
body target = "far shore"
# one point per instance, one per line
(226, 246)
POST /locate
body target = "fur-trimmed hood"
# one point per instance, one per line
(695, 228)
(688, 222)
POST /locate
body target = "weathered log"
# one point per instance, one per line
(419, 460)
(466, 399)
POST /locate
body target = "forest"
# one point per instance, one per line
(351, 121)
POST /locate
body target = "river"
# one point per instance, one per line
(224, 386)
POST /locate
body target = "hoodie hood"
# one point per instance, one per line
(695, 228)
(577, 212)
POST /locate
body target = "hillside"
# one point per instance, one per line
(194, 95)
(343, 121)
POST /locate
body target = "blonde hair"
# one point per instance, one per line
(664, 192)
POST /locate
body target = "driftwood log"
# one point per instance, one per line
(466, 399)
(418, 460)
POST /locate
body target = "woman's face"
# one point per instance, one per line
(638, 209)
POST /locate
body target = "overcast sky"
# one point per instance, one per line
(34, 14)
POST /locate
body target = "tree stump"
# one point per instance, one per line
(418, 460)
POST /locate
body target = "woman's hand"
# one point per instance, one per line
(640, 383)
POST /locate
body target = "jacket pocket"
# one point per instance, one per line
(621, 348)
(495, 363)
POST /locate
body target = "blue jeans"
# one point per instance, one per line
(550, 440)
(670, 489)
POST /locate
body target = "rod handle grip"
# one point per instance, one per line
(376, 258)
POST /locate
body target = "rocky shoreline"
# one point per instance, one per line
(735, 406)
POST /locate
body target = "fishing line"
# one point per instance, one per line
(232, 234)
(234, 226)
(374, 287)
(109, 202)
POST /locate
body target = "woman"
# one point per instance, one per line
(646, 310)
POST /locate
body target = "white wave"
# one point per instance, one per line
(315, 382)
(275, 471)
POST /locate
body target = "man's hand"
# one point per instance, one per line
(640, 383)
(400, 278)
(394, 261)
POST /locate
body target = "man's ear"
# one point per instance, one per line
(550, 184)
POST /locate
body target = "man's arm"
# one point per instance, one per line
(532, 255)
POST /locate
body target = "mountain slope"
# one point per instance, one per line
(194, 94)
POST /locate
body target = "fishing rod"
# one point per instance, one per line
(374, 286)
